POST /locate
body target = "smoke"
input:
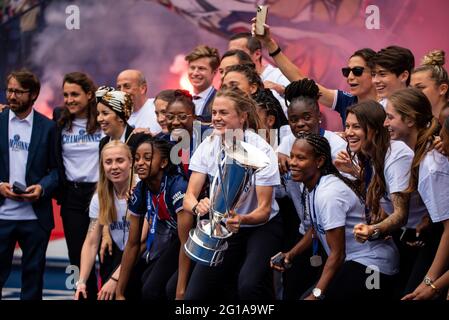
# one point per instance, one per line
(113, 36)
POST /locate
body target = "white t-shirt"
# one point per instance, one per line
(333, 204)
(275, 75)
(398, 162)
(433, 185)
(294, 188)
(205, 160)
(120, 228)
(80, 152)
(19, 138)
(145, 118)
(417, 210)
(336, 143)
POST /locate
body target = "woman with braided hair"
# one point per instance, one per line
(335, 205)
(158, 199)
(304, 116)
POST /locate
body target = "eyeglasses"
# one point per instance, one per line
(356, 71)
(181, 116)
(17, 92)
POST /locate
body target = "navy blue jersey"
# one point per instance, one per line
(344, 100)
(169, 201)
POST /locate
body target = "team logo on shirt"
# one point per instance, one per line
(15, 144)
(178, 196)
(81, 137)
(120, 225)
(133, 199)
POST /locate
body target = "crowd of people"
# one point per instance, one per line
(330, 210)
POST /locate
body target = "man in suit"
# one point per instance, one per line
(203, 63)
(27, 149)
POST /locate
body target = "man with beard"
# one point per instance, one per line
(27, 149)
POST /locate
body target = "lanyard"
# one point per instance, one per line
(153, 211)
(321, 132)
(313, 218)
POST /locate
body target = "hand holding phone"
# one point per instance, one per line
(279, 261)
(261, 18)
(409, 236)
(19, 188)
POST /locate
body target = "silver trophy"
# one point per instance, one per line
(207, 242)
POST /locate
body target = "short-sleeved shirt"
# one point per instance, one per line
(398, 162)
(342, 101)
(433, 185)
(336, 143)
(120, 227)
(332, 204)
(145, 118)
(80, 147)
(169, 202)
(205, 161)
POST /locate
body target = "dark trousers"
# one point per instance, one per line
(245, 273)
(350, 284)
(75, 219)
(301, 276)
(423, 259)
(159, 272)
(33, 241)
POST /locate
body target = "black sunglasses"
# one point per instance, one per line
(357, 71)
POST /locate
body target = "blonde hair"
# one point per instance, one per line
(434, 63)
(203, 51)
(105, 188)
(243, 104)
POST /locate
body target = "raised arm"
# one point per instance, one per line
(288, 68)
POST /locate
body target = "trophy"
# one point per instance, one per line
(207, 242)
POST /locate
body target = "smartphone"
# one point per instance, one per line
(261, 18)
(19, 188)
(409, 235)
(278, 260)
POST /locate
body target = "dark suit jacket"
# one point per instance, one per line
(206, 114)
(41, 163)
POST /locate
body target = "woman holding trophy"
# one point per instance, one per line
(252, 227)
(250, 221)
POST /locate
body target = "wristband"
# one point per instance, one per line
(275, 52)
(194, 208)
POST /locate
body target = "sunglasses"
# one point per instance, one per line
(356, 71)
